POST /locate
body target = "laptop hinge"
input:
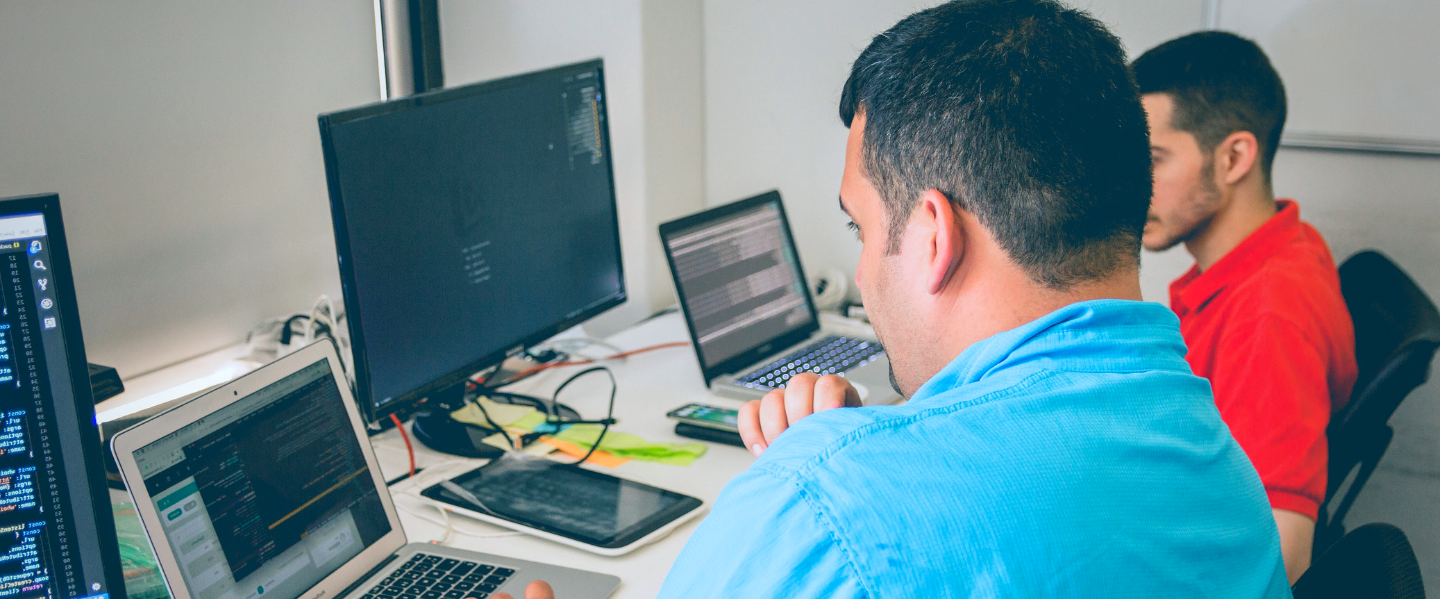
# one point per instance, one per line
(362, 579)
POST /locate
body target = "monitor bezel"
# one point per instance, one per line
(765, 348)
(48, 206)
(353, 314)
(125, 443)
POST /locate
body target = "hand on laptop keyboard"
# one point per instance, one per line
(804, 394)
(536, 590)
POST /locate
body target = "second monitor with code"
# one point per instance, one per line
(57, 532)
(470, 223)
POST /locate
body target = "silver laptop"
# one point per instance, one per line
(749, 310)
(267, 486)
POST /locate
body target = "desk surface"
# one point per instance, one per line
(650, 385)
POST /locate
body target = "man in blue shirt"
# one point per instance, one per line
(1055, 442)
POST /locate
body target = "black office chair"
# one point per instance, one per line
(1374, 561)
(1397, 331)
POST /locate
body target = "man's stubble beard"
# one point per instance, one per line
(888, 312)
(1199, 208)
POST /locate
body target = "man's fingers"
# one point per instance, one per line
(749, 423)
(800, 397)
(535, 590)
(833, 391)
(539, 590)
(760, 422)
(772, 416)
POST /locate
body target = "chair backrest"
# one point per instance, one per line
(1373, 561)
(1397, 330)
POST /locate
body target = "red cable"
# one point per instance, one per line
(529, 371)
(408, 448)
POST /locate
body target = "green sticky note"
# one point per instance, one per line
(626, 445)
(530, 421)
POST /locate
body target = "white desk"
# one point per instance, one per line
(650, 385)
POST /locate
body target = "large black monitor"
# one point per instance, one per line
(57, 533)
(469, 223)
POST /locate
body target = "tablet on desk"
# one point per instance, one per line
(570, 505)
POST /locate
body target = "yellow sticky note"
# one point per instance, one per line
(502, 414)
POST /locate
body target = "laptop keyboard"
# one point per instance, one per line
(434, 577)
(831, 355)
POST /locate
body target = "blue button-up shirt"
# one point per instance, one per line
(1073, 456)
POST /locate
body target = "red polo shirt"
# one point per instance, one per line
(1266, 324)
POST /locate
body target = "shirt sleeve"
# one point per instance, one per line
(762, 539)
(1271, 387)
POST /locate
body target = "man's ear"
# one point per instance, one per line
(1236, 156)
(947, 240)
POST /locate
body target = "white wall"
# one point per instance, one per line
(1350, 65)
(652, 58)
(673, 51)
(773, 74)
(181, 137)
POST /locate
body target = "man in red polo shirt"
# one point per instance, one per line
(1261, 310)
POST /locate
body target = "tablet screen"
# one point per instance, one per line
(590, 507)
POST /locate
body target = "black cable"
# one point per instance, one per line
(491, 422)
(553, 410)
(507, 397)
(287, 333)
(520, 399)
(552, 419)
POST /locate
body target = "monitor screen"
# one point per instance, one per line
(738, 277)
(59, 535)
(268, 495)
(469, 222)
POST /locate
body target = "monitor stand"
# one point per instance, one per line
(438, 431)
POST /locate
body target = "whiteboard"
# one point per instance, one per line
(1352, 68)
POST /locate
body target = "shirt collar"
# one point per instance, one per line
(1194, 288)
(1098, 335)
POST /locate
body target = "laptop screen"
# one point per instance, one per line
(739, 280)
(266, 496)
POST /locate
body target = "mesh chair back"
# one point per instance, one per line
(1373, 561)
(1397, 330)
(1394, 320)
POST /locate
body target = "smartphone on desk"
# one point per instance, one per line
(708, 423)
(715, 417)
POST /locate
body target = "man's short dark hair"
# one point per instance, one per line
(1221, 83)
(1023, 113)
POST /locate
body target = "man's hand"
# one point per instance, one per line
(806, 393)
(535, 590)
